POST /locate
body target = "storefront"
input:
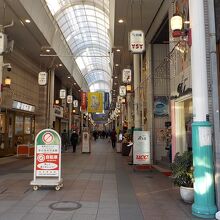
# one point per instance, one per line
(17, 126)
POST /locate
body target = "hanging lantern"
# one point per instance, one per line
(128, 88)
(7, 81)
(62, 94)
(176, 24)
(69, 99)
(57, 101)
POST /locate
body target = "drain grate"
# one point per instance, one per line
(65, 206)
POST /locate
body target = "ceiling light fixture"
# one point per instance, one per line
(118, 50)
(47, 50)
(27, 21)
(120, 21)
(60, 64)
(68, 77)
(74, 83)
(116, 64)
(116, 77)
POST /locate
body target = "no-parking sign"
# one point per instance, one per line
(47, 161)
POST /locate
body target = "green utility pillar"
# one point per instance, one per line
(204, 196)
(204, 202)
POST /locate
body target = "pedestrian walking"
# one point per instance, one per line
(113, 137)
(64, 140)
(74, 140)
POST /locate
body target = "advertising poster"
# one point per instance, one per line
(47, 154)
(141, 147)
(95, 102)
(160, 105)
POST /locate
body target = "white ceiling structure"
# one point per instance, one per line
(85, 26)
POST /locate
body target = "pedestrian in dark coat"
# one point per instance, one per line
(74, 140)
(113, 136)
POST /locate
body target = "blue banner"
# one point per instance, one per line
(106, 101)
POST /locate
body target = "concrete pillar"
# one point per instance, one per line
(137, 117)
(204, 201)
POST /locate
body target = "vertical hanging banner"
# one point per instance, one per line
(83, 101)
(136, 41)
(95, 102)
(106, 101)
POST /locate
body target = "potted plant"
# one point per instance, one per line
(182, 175)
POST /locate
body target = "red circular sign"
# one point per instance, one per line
(47, 138)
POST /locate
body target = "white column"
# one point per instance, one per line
(142, 94)
(51, 98)
(198, 61)
(137, 118)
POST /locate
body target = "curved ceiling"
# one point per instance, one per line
(85, 26)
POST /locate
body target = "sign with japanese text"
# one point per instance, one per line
(47, 161)
(126, 76)
(83, 101)
(136, 41)
(141, 147)
(95, 102)
(42, 78)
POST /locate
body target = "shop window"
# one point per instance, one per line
(19, 125)
(27, 125)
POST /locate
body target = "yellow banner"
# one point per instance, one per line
(95, 102)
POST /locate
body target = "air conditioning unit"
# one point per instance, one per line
(3, 43)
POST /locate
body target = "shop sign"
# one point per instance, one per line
(23, 106)
(58, 111)
(122, 90)
(62, 94)
(136, 41)
(141, 147)
(83, 101)
(75, 103)
(126, 76)
(69, 99)
(42, 78)
(47, 161)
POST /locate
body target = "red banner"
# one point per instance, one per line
(83, 101)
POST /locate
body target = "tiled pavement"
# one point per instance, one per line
(102, 182)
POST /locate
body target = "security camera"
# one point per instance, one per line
(9, 68)
(8, 65)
